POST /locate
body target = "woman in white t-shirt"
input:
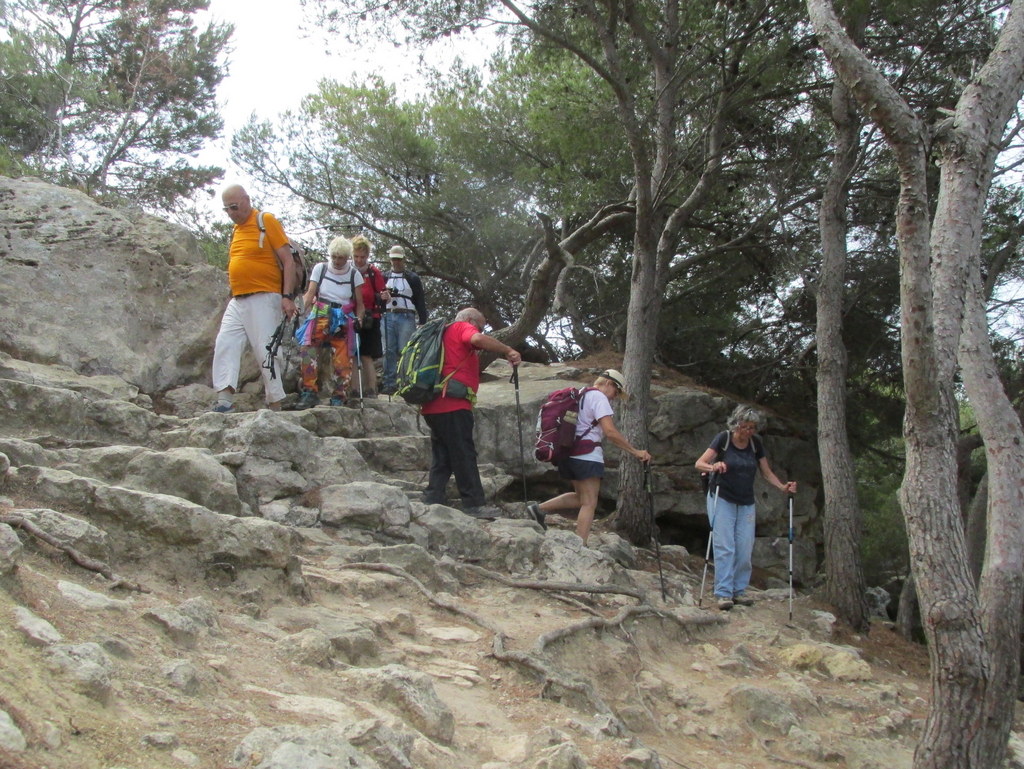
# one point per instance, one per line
(335, 300)
(585, 468)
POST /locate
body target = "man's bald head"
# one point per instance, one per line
(472, 315)
(236, 203)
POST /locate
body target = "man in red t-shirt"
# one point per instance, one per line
(450, 418)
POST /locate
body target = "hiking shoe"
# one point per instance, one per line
(742, 600)
(307, 400)
(725, 604)
(538, 514)
(482, 513)
(223, 408)
(338, 401)
(370, 395)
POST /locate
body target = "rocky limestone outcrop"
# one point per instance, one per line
(267, 590)
(127, 300)
(102, 290)
(276, 594)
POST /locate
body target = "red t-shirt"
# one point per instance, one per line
(373, 284)
(460, 356)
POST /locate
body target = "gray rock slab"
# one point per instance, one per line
(90, 600)
(36, 630)
(10, 549)
(11, 737)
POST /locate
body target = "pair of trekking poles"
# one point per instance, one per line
(647, 480)
(711, 537)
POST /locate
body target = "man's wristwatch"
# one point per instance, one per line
(288, 296)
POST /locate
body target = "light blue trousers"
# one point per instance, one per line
(398, 327)
(733, 536)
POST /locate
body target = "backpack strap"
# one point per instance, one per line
(470, 392)
(721, 443)
(323, 271)
(263, 227)
(585, 433)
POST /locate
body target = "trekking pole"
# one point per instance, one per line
(654, 527)
(790, 557)
(359, 366)
(711, 537)
(273, 346)
(384, 342)
(519, 424)
(285, 357)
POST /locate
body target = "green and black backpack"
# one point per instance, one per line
(418, 378)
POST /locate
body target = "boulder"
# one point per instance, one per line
(72, 416)
(11, 737)
(299, 747)
(186, 472)
(142, 301)
(70, 531)
(88, 666)
(35, 630)
(412, 694)
(763, 709)
(10, 550)
(364, 504)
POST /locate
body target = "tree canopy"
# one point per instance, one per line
(111, 96)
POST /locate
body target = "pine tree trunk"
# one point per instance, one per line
(969, 641)
(907, 613)
(844, 586)
(1002, 576)
(634, 517)
(976, 528)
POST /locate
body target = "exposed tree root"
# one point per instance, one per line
(78, 557)
(430, 595)
(701, 619)
(567, 587)
(555, 684)
(576, 603)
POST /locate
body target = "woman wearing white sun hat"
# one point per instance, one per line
(585, 468)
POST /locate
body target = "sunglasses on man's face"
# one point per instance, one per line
(232, 207)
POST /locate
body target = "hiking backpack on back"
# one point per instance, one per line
(419, 363)
(556, 424)
(299, 264)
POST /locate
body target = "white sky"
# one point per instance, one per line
(271, 67)
(274, 64)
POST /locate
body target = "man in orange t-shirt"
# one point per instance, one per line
(450, 418)
(262, 293)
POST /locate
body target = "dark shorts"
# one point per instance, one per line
(580, 469)
(369, 342)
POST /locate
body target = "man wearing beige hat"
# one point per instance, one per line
(407, 306)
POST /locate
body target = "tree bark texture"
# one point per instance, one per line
(965, 728)
(976, 528)
(844, 585)
(1002, 575)
(907, 614)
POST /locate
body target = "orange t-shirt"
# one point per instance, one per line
(252, 269)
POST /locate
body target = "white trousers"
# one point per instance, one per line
(251, 319)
